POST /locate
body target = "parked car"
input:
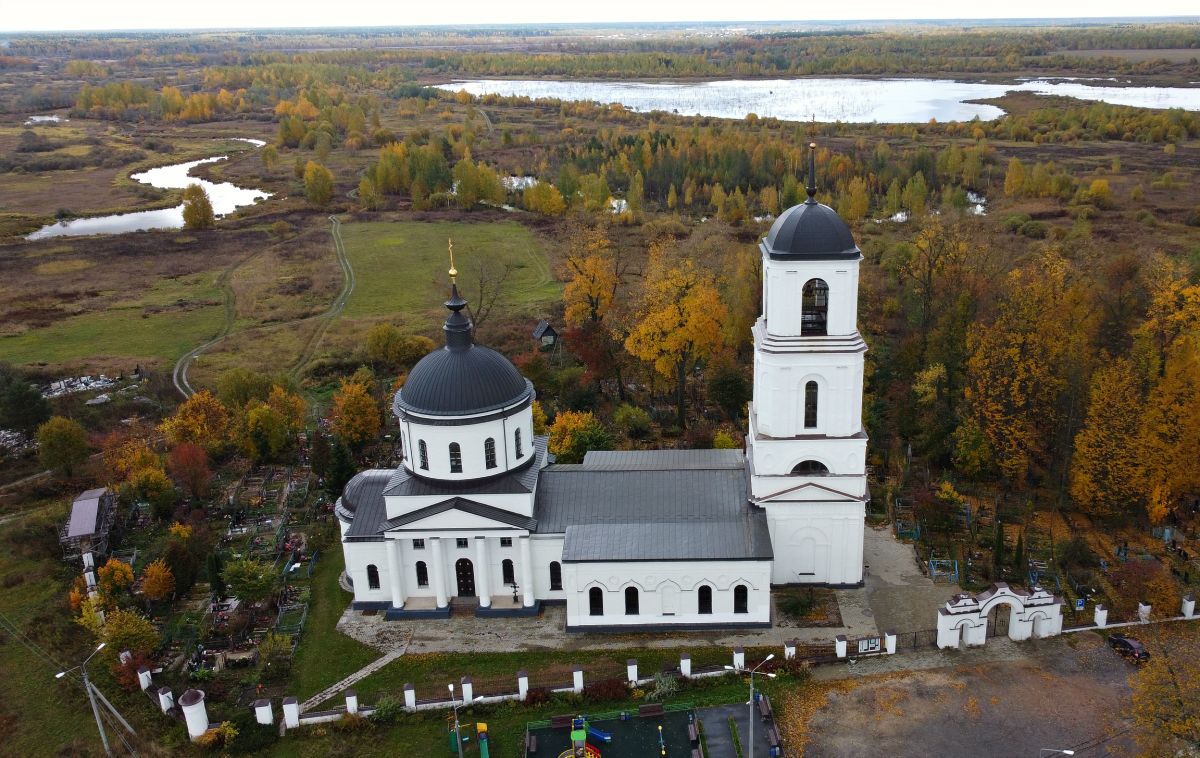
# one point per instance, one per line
(1132, 649)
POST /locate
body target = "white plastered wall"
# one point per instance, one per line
(816, 542)
(471, 439)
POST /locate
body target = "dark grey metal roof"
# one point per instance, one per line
(363, 496)
(85, 513)
(811, 231)
(665, 459)
(460, 382)
(543, 328)
(739, 539)
(466, 506)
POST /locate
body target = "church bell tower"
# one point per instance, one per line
(806, 446)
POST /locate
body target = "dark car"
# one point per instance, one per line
(1132, 649)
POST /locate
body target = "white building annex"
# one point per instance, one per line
(479, 514)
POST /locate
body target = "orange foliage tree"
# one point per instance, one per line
(355, 415)
(202, 419)
(158, 583)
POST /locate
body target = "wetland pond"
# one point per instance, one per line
(225, 198)
(894, 101)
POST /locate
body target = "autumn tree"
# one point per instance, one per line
(1173, 310)
(114, 578)
(201, 419)
(368, 194)
(318, 184)
(574, 433)
(250, 581)
(388, 347)
(1165, 702)
(158, 583)
(238, 386)
(127, 630)
(1106, 475)
(355, 415)
(1014, 178)
(188, 464)
(62, 445)
(1170, 433)
(22, 407)
(544, 198)
(197, 208)
(679, 322)
(127, 450)
(151, 485)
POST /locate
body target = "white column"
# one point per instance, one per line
(351, 701)
(789, 650)
(1143, 612)
(410, 697)
(839, 645)
(526, 572)
(483, 580)
(262, 712)
(1187, 608)
(468, 689)
(685, 665)
(439, 572)
(889, 641)
(1100, 616)
(739, 658)
(577, 679)
(291, 712)
(166, 699)
(144, 679)
(396, 571)
(522, 685)
(631, 670)
(194, 713)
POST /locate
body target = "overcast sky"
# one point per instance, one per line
(64, 15)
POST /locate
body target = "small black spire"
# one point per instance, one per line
(458, 326)
(812, 172)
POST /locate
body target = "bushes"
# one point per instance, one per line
(251, 736)
(537, 696)
(605, 689)
(389, 708)
(632, 421)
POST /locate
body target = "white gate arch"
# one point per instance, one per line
(1035, 614)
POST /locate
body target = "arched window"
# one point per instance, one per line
(489, 452)
(555, 575)
(595, 602)
(814, 308)
(455, 458)
(422, 574)
(506, 568)
(810, 405)
(424, 452)
(517, 444)
(741, 599)
(373, 577)
(704, 600)
(631, 601)
(810, 468)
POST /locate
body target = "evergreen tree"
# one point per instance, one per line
(1019, 556)
(216, 577)
(341, 469)
(998, 548)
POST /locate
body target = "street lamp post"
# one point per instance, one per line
(87, 686)
(456, 704)
(753, 671)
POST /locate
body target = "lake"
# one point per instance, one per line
(893, 101)
(225, 198)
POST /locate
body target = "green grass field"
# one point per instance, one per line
(401, 267)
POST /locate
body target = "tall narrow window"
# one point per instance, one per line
(455, 458)
(631, 601)
(506, 568)
(704, 600)
(741, 599)
(555, 575)
(810, 405)
(422, 574)
(373, 577)
(814, 308)
(489, 452)
(595, 602)
(424, 453)
(517, 444)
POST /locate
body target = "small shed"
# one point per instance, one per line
(87, 530)
(546, 334)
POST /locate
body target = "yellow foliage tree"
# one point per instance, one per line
(1170, 435)
(158, 583)
(539, 418)
(180, 531)
(1106, 467)
(201, 419)
(114, 577)
(355, 415)
(594, 276)
(1165, 702)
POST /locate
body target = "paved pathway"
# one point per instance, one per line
(362, 673)
(718, 737)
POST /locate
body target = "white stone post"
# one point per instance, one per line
(410, 697)
(685, 665)
(439, 572)
(194, 713)
(89, 562)
(90, 578)
(483, 574)
(263, 713)
(1100, 616)
(1187, 608)
(577, 679)
(789, 650)
(124, 657)
(527, 597)
(631, 670)
(166, 699)
(468, 689)
(144, 678)
(739, 658)
(839, 645)
(395, 572)
(291, 712)
(351, 701)
(889, 641)
(1143, 611)
(522, 685)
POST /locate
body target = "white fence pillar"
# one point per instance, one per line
(351, 701)
(263, 713)
(1100, 616)
(889, 641)
(166, 699)
(89, 562)
(410, 697)
(839, 645)
(685, 665)
(1143, 611)
(631, 670)
(124, 657)
(468, 689)
(90, 578)
(739, 658)
(1187, 608)
(291, 712)
(144, 678)
(194, 713)
(522, 685)
(789, 650)
(577, 679)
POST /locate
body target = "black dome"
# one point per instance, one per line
(459, 381)
(812, 231)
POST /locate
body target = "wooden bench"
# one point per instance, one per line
(696, 753)
(693, 735)
(651, 709)
(530, 743)
(557, 722)
(764, 707)
(773, 738)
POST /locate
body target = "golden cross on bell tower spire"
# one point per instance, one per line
(453, 271)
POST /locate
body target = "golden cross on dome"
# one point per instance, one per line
(453, 271)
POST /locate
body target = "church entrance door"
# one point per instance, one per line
(465, 574)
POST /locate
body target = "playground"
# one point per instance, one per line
(657, 732)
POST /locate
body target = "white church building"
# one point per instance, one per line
(480, 516)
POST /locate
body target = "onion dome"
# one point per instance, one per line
(811, 231)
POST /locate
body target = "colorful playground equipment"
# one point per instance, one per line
(482, 734)
(580, 747)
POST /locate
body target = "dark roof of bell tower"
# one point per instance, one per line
(810, 230)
